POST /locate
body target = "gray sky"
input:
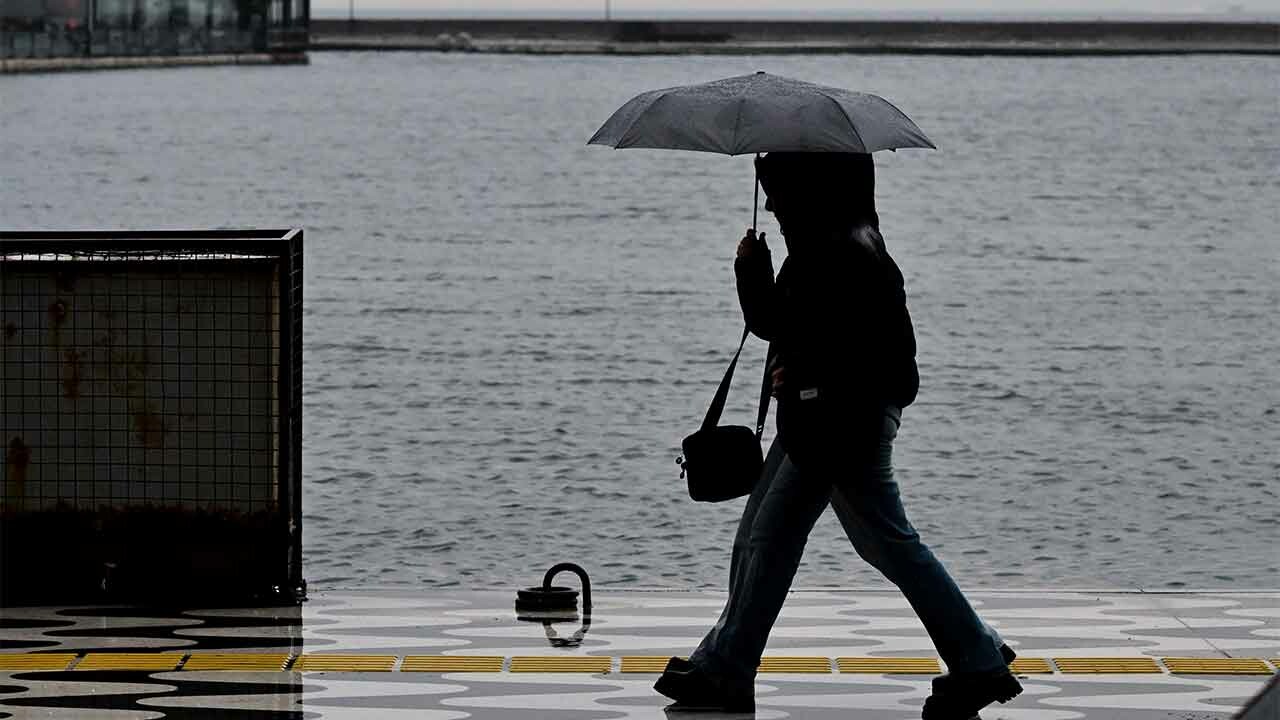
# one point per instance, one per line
(593, 8)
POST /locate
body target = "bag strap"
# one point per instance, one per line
(722, 393)
(766, 391)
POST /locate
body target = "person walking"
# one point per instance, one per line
(842, 359)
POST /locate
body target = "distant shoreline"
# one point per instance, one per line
(667, 37)
(14, 66)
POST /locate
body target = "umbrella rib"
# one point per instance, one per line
(658, 95)
(911, 122)
(848, 119)
(737, 123)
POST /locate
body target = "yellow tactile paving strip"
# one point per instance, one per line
(325, 662)
(1031, 666)
(1217, 666)
(245, 662)
(889, 665)
(345, 663)
(452, 663)
(1107, 665)
(645, 663)
(567, 663)
(36, 661)
(131, 661)
(782, 664)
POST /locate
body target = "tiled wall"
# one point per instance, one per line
(139, 384)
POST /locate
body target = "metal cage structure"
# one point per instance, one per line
(151, 416)
(123, 28)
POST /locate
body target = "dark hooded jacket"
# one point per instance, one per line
(836, 315)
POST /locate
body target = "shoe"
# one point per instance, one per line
(968, 693)
(678, 664)
(693, 689)
(944, 681)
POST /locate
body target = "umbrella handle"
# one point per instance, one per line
(756, 204)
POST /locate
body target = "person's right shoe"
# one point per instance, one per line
(692, 689)
(967, 693)
(943, 682)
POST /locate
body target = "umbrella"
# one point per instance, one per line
(760, 113)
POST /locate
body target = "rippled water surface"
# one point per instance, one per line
(508, 332)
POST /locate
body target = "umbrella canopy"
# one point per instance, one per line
(760, 113)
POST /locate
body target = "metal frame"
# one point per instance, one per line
(285, 28)
(284, 246)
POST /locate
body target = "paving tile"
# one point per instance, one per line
(883, 665)
(323, 662)
(654, 664)
(452, 663)
(792, 664)
(1031, 665)
(1107, 665)
(261, 662)
(1216, 666)
(129, 661)
(562, 663)
(36, 661)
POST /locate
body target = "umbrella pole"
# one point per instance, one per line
(756, 204)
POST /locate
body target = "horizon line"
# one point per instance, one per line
(343, 10)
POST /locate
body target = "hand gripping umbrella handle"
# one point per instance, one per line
(755, 205)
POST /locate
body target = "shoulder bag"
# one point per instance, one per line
(723, 462)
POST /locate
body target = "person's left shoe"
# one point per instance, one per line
(678, 664)
(969, 693)
(693, 689)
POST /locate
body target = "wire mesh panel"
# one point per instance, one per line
(150, 412)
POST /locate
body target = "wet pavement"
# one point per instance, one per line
(442, 655)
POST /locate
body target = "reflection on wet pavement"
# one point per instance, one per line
(452, 655)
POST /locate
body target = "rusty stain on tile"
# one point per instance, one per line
(18, 457)
(57, 312)
(16, 460)
(149, 427)
(72, 374)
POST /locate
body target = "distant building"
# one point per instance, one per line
(106, 28)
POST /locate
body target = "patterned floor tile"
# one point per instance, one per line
(427, 649)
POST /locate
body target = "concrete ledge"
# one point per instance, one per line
(576, 47)
(43, 65)
(579, 37)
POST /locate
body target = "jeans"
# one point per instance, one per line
(771, 537)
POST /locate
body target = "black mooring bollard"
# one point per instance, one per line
(548, 597)
(550, 604)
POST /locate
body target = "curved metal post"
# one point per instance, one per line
(582, 576)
